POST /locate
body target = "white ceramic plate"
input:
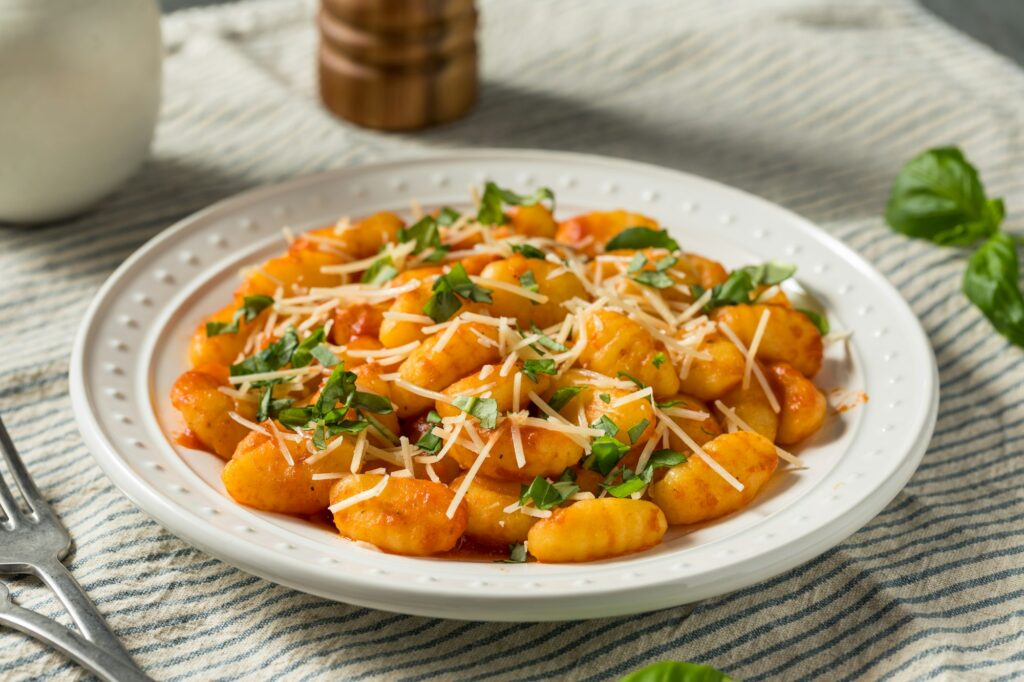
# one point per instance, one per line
(132, 345)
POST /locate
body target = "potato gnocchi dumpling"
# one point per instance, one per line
(559, 389)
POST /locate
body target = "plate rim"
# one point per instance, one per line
(404, 597)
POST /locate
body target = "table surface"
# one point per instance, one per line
(812, 104)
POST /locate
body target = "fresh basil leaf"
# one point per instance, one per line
(562, 396)
(272, 358)
(516, 554)
(659, 359)
(605, 453)
(741, 283)
(633, 484)
(424, 232)
(295, 417)
(433, 417)
(605, 424)
(991, 283)
(325, 356)
(665, 263)
(441, 306)
(665, 458)
(639, 384)
(605, 398)
(429, 443)
(371, 402)
(339, 388)
(528, 251)
(303, 354)
(460, 283)
(319, 437)
(380, 271)
(938, 196)
(637, 430)
(819, 320)
(641, 238)
(447, 216)
(546, 495)
(251, 307)
(491, 213)
(654, 279)
(531, 368)
(676, 671)
(668, 403)
(638, 263)
(546, 341)
(263, 411)
(348, 426)
(484, 409)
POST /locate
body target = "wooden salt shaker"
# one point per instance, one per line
(398, 64)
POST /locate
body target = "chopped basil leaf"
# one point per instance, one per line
(444, 303)
(433, 417)
(325, 356)
(938, 196)
(605, 398)
(819, 320)
(653, 279)
(447, 216)
(379, 427)
(484, 409)
(424, 232)
(639, 384)
(665, 458)
(659, 359)
(632, 482)
(531, 368)
(264, 407)
(641, 238)
(429, 443)
(546, 341)
(491, 213)
(272, 358)
(665, 263)
(562, 396)
(460, 283)
(380, 271)
(739, 286)
(295, 417)
(669, 403)
(605, 424)
(516, 554)
(528, 251)
(303, 354)
(637, 430)
(605, 453)
(546, 495)
(339, 388)
(371, 402)
(638, 263)
(251, 307)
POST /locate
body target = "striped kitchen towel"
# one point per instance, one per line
(811, 103)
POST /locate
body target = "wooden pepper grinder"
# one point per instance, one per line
(398, 64)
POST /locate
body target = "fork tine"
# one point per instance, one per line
(21, 478)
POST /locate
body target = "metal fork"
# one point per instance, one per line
(34, 543)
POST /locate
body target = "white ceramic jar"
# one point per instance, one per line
(79, 95)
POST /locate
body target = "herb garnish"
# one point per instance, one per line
(491, 213)
(659, 359)
(484, 409)
(528, 251)
(444, 302)
(637, 430)
(562, 396)
(641, 238)
(605, 424)
(742, 282)
(516, 554)
(531, 368)
(272, 358)
(938, 196)
(605, 453)
(250, 308)
(631, 482)
(380, 271)
(546, 495)
(427, 236)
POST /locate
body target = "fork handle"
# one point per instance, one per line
(104, 665)
(82, 610)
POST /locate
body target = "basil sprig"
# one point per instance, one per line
(938, 196)
(494, 197)
(250, 308)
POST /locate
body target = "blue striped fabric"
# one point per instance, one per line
(811, 103)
